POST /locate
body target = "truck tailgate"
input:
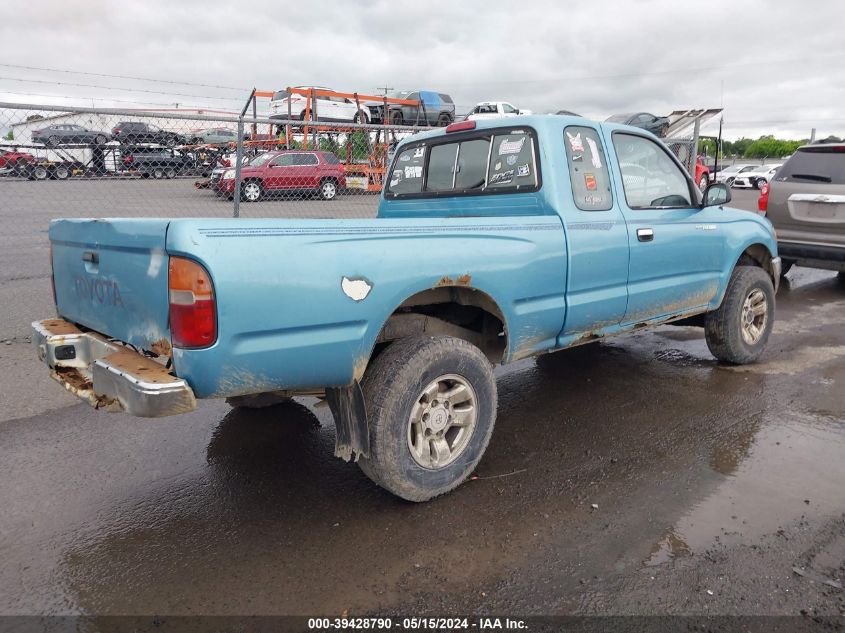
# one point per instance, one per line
(111, 276)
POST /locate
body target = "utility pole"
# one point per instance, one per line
(385, 90)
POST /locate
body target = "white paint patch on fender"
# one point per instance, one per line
(355, 289)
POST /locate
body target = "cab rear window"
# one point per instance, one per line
(489, 161)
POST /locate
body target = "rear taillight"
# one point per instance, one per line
(763, 200)
(193, 313)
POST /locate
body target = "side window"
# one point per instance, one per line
(308, 159)
(285, 160)
(441, 167)
(512, 161)
(508, 108)
(407, 171)
(651, 179)
(587, 169)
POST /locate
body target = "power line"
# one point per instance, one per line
(106, 100)
(91, 74)
(156, 92)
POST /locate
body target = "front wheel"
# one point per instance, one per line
(737, 331)
(100, 140)
(251, 191)
(431, 405)
(443, 120)
(760, 182)
(158, 173)
(361, 117)
(170, 173)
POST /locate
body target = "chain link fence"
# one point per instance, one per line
(108, 162)
(86, 162)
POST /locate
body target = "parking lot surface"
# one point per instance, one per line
(628, 477)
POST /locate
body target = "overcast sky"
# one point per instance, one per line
(776, 66)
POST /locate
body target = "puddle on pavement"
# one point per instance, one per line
(776, 474)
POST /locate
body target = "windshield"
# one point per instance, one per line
(260, 159)
(402, 94)
(279, 95)
(619, 118)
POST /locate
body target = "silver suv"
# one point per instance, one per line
(806, 205)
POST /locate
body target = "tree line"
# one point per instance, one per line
(764, 147)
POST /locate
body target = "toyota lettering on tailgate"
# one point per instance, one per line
(97, 290)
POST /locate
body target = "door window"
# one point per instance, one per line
(285, 160)
(508, 108)
(650, 178)
(304, 159)
(588, 170)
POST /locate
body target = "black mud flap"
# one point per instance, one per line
(350, 420)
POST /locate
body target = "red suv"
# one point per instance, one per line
(15, 160)
(289, 171)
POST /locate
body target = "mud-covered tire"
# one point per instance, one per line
(393, 385)
(723, 327)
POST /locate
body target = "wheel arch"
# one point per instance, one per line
(451, 307)
(752, 253)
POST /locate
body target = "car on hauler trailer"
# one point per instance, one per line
(494, 241)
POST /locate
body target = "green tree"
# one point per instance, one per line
(10, 136)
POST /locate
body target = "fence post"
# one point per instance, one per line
(694, 154)
(239, 152)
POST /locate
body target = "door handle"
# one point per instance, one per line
(645, 235)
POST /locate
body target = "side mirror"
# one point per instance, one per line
(716, 194)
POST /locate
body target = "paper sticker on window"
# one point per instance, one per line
(511, 160)
(511, 147)
(419, 152)
(397, 176)
(413, 171)
(523, 170)
(498, 165)
(503, 178)
(593, 201)
(594, 151)
(589, 181)
(405, 158)
(577, 158)
(575, 142)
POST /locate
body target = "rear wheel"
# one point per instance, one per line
(40, 173)
(328, 189)
(759, 183)
(170, 173)
(61, 173)
(53, 140)
(100, 139)
(251, 191)
(158, 173)
(443, 120)
(21, 166)
(431, 405)
(361, 117)
(396, 117)
(738, 330)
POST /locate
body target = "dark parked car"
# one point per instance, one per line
(435, 108)
(285, 172)
(658, 125)
(157, 162)
(805, 202)
(66, 133)
(138, 132)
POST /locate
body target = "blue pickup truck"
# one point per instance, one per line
(495, 241)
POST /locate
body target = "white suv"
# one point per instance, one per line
(337, 109)
(756, 178)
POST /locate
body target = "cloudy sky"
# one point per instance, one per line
(776, 66)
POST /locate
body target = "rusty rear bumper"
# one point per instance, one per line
(108, 375)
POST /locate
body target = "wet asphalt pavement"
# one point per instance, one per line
(634, 476)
